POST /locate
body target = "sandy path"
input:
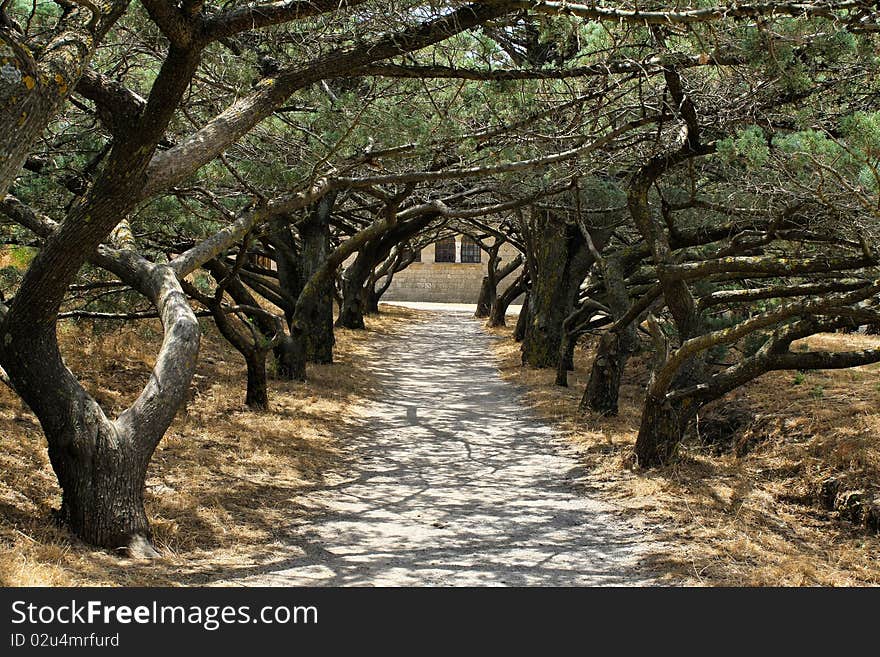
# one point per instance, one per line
(456, 484)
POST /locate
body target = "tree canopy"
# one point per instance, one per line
(700, 181)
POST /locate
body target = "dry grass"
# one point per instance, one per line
(223, 484)
(749, 520)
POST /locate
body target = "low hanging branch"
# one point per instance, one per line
(646, 67)
(839, 10)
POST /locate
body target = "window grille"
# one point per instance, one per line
(444, 250)
(470, 250)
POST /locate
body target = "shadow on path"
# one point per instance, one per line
(456, 483)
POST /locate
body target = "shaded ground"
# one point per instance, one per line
(739, 507)
(453, 483)
(223, 485)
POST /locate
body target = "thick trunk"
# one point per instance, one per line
(488, 294)
(498, 312)
(290, 280)
(102, 482)
(318, 338)
(560, 260)
(566, 352)
(501, 302)
(318, 319)
(101, 464)
(661, 431)
(257, 396)
(371, 301)
(548, 299)
(287, 261)
(92, 462)
(615, 346)
(663, 423)
(354, 280)
(565, 362)
(489, 285)
(290, 359)
(603, 388)
(563, 261)
(351, 313)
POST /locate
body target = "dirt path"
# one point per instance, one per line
(456, 484)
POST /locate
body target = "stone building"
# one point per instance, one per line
(449, 271)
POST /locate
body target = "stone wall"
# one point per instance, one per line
(445, 282)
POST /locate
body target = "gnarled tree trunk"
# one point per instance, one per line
(290, 356)
(486, 297)
(498, 311)
(257, 395)
(615, 346)
(318, 318)
(661, 430)
(489, 284)
(371, 302)
(562, 261)
(101, 464)
(603, 388)
(565, 362)
(354, 279)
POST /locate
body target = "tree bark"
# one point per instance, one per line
(489, 284)
(35, 88)
(603, 388)
(371, 303)
(290, 358)
(354, 279)
(663, 423)
(660, 433)
(486, 297)
(317, 329)
(257, 396)
(102, 476)
(287, 262)
(498, 311)
(562, 261)
(565, 362)
(615, 346)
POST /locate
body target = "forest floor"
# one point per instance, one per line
(744, 503)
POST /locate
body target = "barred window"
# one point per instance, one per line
(264, 262)
(470, 249)
(444, 250)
